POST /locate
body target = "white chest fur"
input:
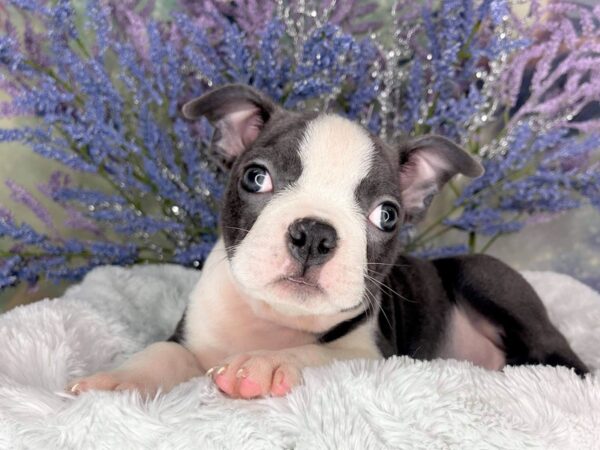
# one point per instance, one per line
(220, 322)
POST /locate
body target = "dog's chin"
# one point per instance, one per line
(294, 297)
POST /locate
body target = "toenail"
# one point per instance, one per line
(221, 369)
(75, 389)
(242, 373)
(210, 371)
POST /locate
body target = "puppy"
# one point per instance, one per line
(308, 268)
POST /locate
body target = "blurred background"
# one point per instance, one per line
(568, 243)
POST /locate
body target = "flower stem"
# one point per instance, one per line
(435, 224)
(490, 242)
(472, 241)
(430, 238)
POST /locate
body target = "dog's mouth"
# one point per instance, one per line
(301, 281)
(305, 285)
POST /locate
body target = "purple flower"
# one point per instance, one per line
(77, 221)
(271, 72)
(195, 254)
(105, 103)
(8, 271)
(21, 195)
(325, 63)
(563, 65)
(484, 221)
(442, 252)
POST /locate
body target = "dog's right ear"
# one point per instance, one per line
(237, 112)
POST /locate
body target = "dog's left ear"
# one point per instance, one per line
(237, 112)
(426, 165)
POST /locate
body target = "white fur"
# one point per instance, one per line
(398, 403)
(257, 325)
(336, 155)
(217, 307)
(160, 366)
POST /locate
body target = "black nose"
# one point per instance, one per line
(311, 242)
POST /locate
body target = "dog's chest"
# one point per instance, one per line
(220, 324)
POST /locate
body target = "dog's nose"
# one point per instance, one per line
(311, 242)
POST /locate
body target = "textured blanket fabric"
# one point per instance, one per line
(398, 403)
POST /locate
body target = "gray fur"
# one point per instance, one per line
(411, 297)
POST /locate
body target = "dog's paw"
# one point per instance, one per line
(112, 381)
(257, 375)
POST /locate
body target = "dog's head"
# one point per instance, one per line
(314, 201)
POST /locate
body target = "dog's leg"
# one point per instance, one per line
(161, 365)
(503, 297)
(262, 373)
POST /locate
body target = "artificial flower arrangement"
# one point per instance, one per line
(97, 86)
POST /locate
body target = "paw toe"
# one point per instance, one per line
(251, 376)
(283, 381)
(225, 379)
(249, 389)
(101, 381)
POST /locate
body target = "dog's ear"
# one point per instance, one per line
(426, 164)
(237, 112)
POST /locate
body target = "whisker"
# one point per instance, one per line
(375, 280)
(238, 228)
(376, 272)
(226, 252)
(378, 304)
(386, 264)
(370, 300)
(383, 285)
(367, 291)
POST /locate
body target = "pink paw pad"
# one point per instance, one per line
(251, 376)
(249, 389)
(225, 384)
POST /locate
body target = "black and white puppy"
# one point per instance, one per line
(309, 268)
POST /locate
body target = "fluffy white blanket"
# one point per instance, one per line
(398, 403)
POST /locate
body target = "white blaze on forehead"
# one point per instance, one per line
(336, 155)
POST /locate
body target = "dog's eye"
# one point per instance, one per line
(385, 216)
(256, 179)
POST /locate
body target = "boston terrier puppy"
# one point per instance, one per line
(309, 267)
